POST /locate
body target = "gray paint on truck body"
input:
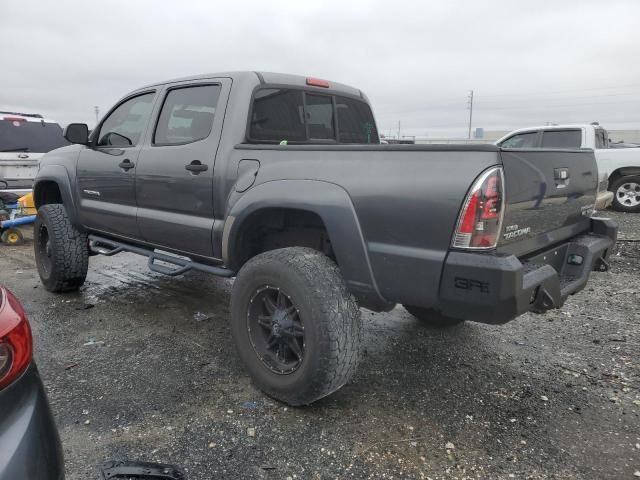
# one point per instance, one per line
(390, 210)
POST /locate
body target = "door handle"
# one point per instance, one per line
(196, 167)
(126, 164)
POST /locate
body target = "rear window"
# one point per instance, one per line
(355, 121)
(24, 136)
(561, 139)
(602, 138)
(319, 117)
(298, 116)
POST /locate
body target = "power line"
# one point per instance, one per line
(479, 99)
(556, 105)
(558, 92)
(444, 102)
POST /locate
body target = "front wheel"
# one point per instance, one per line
(432, 318)
(626, 194)
(295, 325)
(61, 251)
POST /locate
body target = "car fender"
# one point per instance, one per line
(333, 205)
(59, 175)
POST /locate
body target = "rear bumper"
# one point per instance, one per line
(496, 289)
(603, 200)
(29, 443)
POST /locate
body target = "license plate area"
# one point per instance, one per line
(556, 258)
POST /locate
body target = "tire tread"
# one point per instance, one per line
(339, 319)
(71, 259)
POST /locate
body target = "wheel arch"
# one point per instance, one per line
(623, 172)
(52, 185)
(329, 206)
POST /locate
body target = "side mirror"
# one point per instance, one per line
(77, 133)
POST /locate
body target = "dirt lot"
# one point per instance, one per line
(140, 366)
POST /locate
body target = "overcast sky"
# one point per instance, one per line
(527, 62)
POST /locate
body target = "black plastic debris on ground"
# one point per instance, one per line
(141, 470)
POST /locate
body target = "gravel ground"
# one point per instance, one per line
(140, 366)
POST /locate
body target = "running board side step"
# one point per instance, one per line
(108, 247)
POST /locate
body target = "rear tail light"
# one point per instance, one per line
(480, 219)
(15, 339)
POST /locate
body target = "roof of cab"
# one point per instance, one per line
(269, 78)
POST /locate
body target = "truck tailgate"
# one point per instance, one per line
(550, 196)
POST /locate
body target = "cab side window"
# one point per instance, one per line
(187, 115)
(125, 125)
(522, 140)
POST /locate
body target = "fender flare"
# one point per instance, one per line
(334, 206)
(625, 172)
(58, 175)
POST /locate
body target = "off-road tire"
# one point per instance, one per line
(615, 186)
(329, 313)
(432, 318)
(63, 264)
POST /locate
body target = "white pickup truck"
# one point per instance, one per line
(619, 167)
(24, 139)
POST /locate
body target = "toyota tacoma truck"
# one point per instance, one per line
(619, 168)
(281, 182)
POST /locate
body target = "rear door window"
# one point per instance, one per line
(298, 116)
(561, 139)
(522, 140)
(187, 115)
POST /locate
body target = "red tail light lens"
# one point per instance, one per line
(317, 82)
(16, 345)
(480, 220)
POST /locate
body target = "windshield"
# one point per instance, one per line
(24, 136)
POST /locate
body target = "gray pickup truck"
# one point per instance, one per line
(280, 181)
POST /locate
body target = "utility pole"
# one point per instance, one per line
(398, 129)
(470, 113)
(97, 110)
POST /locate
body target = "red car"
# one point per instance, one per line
(29, 442)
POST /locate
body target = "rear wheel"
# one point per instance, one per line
(626, 194)
(432, 317)
(12, 236)
(61, 251)
(296, 327)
